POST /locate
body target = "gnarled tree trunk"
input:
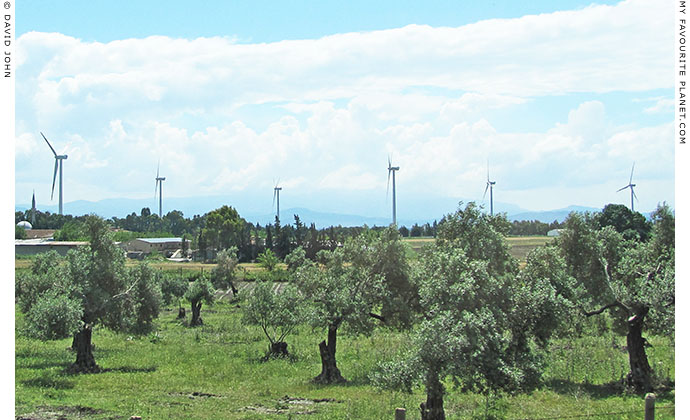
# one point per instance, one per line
(640, 375)
(196, 314)
(85, 362)
(432, 409)
(278, 349)
(329, 371)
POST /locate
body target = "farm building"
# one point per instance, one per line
(554, 232)
(147, 245)
(37, 246)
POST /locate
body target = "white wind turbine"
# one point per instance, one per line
(159, 190)
(276, 199)
(392, 169)
(632, 191)
(58, 163)
(490, 187)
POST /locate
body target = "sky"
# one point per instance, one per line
(556, 99)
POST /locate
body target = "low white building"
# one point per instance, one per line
(554, 232)
(147, 245)
(37, 246)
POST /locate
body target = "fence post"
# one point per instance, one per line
(399, 414)
(649, 400)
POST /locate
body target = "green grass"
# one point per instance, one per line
(216, 372)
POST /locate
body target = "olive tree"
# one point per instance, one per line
(632, 280)
(347, 286)
(199, 290)
(482, 323)
(173, 287)
(480, 330)
(223, 274)
(277, 310)
(63, 297)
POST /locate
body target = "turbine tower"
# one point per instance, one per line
(33, 209)
(489, 186)
(276, 199)
(159, 190)
(58, 162)
(632, 191)
(392, 169)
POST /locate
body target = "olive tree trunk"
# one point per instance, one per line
(196, 314)
(329, 371)
(432, 409)
(278, 349)
(85, 362)
(640, 376)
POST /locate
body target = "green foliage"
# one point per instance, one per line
(482, 325)
(268, 260)
(93, 282)
(224, 228)
(339, 293)
(632, 225)
(173, 288)
(278, 313)
(73, 230)
(53, 316)
(296, 258)
(223, 274)
(480, 236)
(143, 300)
(19, 232)
(200, 289)
(385, 254)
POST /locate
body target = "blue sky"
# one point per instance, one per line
(262, 21)
(560, 97)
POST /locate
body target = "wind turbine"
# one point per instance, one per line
(58, 162)
(632, 191)
(490, 187)
(276, 199)
(392, 169)
(159, 189)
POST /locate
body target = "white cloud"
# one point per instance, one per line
(325, 113)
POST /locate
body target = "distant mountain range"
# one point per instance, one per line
(415, 211)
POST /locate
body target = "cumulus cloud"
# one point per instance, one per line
(323, 114)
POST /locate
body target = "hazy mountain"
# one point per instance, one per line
(349, 209)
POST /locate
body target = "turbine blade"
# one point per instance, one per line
(54, 176)
(388, 184)
(631, 173)
(158, 169)
(274, 197)
(51, 147)
(485, 190)
(622, 188)
(633, 193)
(155, 190)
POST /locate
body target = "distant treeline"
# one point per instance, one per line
(219, 229)
(223, 227)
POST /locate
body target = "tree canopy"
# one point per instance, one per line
(91, 287)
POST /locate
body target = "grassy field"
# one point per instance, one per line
(216, 372)
(520, 246)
